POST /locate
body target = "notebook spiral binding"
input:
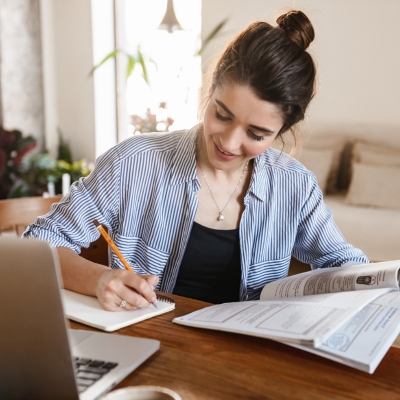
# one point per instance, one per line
(165, 299)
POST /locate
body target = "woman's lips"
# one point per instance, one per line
(222, 154)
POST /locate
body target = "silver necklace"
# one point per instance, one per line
(221, 215)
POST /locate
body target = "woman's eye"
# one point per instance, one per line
(255, 137)
(221, 117)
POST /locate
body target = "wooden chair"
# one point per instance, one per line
(97, 251)
(297, 267)
(17, 214)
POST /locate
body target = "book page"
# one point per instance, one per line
(334, 280)
(310, 319)
(363, 341)
(87, 310)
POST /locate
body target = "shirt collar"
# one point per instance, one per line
(184, 161)
(184, 164)
(261, 179)
(258, 181)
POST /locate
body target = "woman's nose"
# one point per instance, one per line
(231, 140)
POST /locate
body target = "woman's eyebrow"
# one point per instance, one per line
(221, 104)
(259, 128)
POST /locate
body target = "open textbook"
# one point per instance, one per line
(87, 310)
(349, 314)
(363, 341)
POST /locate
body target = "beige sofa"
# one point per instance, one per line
(361, 183)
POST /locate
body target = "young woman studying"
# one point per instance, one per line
(213, 212)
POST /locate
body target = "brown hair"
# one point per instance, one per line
(272, 61)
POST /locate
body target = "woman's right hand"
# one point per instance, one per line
(116, 285)
(111, 286)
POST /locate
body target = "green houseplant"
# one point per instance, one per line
(13, 148)
(23, 176)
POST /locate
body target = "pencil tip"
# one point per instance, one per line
(96, 222)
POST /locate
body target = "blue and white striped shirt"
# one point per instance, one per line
(144, 191)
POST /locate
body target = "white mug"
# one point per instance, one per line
(142, 393)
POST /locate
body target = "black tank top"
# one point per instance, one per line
(210, 268)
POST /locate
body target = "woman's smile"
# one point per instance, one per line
(224, 154)
(238, 126)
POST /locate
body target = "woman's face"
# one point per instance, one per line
(238, 126)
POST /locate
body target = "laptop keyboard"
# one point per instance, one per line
(89, 371)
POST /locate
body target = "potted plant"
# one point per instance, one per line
(13, 148)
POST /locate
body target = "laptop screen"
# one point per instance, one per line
(35, 360)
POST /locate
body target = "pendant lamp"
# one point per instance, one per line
(170, 23)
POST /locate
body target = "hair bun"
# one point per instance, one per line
(297, 27)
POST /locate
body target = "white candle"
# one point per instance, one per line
(66, 183)
(51, 189)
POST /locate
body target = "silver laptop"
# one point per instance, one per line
(39, 357)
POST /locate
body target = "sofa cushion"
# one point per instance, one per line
(310, 147)
(318, 161)
(336, 144)
(375, 154)
(374, 185)
(375, 231)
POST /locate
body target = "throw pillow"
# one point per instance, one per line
(374, 185)
(331, 143)
(375, 154)
(319, 162)
(336, 144)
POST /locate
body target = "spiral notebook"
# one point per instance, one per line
(87, 310)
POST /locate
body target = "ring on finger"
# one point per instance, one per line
(123, 304)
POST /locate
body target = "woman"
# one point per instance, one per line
(213, 212)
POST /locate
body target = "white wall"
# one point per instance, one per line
(356, 51)
(49, 75)
(80, 105)
(357, 54)
(20, 70)
(105, 94)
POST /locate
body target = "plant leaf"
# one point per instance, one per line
(211, 36)
(112, 54)
(143, 65)
(130, 65)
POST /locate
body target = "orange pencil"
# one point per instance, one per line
(114, 247)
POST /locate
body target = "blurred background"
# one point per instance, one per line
(48, 49)
(79, 76)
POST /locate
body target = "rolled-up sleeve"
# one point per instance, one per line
(70, 222)
(319, 241)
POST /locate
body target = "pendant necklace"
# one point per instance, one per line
(221, 215)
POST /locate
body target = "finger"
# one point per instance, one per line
(119, 291)
(112, 302)
(141, 289)
(121, 284)
(123, 305)
(133, 298)
(110, 292)
(152, 280)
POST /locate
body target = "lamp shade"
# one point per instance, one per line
(170, 23)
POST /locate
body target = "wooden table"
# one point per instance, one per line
(206, 364)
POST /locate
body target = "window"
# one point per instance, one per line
(170, 99)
